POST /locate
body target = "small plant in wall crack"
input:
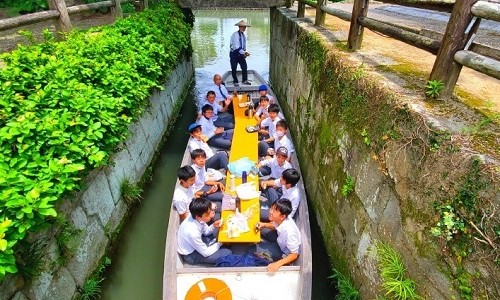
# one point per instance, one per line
(131, 193)
(392, 270)
(345, 287)
(434, 88)
(348, 186)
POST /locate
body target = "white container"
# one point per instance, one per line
(247, 191)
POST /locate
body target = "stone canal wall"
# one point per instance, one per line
(96, 214)
(377, 163)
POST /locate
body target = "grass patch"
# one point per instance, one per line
(131, 192)
(345, 287)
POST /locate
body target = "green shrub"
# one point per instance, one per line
(65, 107)
(25, 6)
(348, 186)
(345, 287)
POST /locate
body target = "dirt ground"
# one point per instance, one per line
(476, 89)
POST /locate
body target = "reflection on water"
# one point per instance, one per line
(211, 36)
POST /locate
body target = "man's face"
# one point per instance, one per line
(273, 115)
(208, 114)
(243, 28)
(280, 159)
(217, 79)
(200, 161)
(207, 216)
(263, 93)
(189, 182)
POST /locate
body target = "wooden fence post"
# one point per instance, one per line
(320, 14)
(445, 68)
(301, 10)
(63, 23)
(360, 9)
(145, 4)
(116, 9)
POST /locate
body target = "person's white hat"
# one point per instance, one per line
(242, 23)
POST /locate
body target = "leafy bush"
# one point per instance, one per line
(348, 186)
(25, 6)
(65, 107)
(345, 287)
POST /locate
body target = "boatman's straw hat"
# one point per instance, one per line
(242, 23)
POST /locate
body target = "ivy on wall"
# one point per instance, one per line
(66, 106)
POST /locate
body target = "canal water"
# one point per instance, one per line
(137, 265)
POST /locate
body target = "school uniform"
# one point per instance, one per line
(215, 161)
(271, 124)
(284, 141)
(182, 197)
(292, 194)
(192, 245)
(275, 169)
(219, 119)
(199, 184)
(238, 46)
(287, 242)
(221, 140)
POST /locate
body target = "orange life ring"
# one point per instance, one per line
(209, 289)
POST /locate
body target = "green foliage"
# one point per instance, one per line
(457, 213)
(392, 272)
(25, 6)
(348, 186)
(66, 241)
(463, 283)
(345, 287)
(433, 88)
(65, 107)
(131, 193)
(366, 138)
(128, 8)
(91, 289)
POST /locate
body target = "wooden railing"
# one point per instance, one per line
(59, 12)
(456, 48)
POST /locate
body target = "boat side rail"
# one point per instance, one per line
(233, 269)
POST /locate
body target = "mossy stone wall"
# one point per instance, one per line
(346, 122)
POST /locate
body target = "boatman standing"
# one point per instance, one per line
(238, 52)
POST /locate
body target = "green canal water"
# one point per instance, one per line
(137, 264)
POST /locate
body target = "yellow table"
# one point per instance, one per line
(244, 144)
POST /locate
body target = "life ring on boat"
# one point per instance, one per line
(209, 289)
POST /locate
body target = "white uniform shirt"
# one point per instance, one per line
(182, 197)
(207, 126)
(189, 238)
(283, 142)
(262, 111)
(267, 122)
(216, 107)
(219, 90)
(288, 236)
(276, 169)
(291, 194)
(271, 99)
(201, 175)
(198, 144)
(238, 40)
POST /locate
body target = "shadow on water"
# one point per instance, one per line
(137, 264)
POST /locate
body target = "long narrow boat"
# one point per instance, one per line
(289, 282)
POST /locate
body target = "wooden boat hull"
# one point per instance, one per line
(290, 282)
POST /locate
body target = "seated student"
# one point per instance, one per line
(280, 138)
(184, 193)
(263, 92)
(270, 123)
(287, 248)
(197, 140)
(217, 136)
(195, 239)
(211, 189)
(275, 166)
(284, 187)
(261, 112)
(220, 118)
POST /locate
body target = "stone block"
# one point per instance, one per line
(9, 285)
(123, 167)
(97, 199)
(19, 296)
(89, 251)
(79, 218)
(139, 148)
(39, 286)
(116, 217)
(62, 287)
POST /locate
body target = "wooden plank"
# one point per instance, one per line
(479, 63)
(320, 14)
(446, 6)
(359, 10)
(116, 9)
(486, 10)
(346, 16)
(37, 17)
(486, 51)
(310, 3)
(301, 9)
(445, 69)
(88, 7)
(408, 37)
(63, 23)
